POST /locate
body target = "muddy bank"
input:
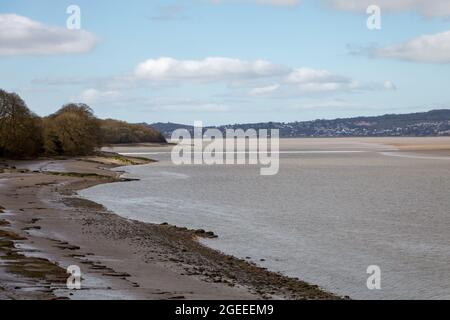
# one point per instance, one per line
(43, 220)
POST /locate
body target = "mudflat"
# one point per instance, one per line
(45, 227)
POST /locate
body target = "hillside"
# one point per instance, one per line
(422, 124)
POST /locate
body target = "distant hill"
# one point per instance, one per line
(421, 124)
(166, 129)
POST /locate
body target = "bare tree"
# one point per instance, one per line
(73, 130)
(20, 129)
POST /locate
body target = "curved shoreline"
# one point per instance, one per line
(135, 259)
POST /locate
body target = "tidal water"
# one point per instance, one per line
(324, 218)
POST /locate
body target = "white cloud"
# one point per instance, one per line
(242, 73)
(93, 96)
(264, 90)
(328, 87)
(428, 48)
(310, 82)
(209, 69)
(243, 79)
(308, 75)
(22, 36)
(425, 7)
(307, 80)
(250, 78)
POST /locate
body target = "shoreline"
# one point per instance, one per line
(46, 222)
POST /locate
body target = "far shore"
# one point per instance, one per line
(45, 227)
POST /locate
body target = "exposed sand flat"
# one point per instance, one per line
(416, 143)
(372, 143)
(329, 206)
(119, 258)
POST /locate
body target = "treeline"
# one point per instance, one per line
(117, 132)
(72, 131)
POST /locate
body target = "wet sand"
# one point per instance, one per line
(45, 227)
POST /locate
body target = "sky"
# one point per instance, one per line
(227, 61)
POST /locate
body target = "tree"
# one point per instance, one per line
(20, 129)
(116, 132)
(73, 130)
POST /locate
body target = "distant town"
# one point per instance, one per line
(424, 124)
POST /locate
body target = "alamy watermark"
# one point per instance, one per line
(74, 280)
(374, 19)
(235, 146)
(374, 280)
(73, 22)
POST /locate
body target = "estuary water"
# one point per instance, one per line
(336, 207)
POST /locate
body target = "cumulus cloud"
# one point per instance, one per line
(243, 79)
(428, 48)
(308, 81)
(242, 73)
(432, 8)
(209, 69)
(22, 36)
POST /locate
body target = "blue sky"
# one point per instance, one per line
(227, 61)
